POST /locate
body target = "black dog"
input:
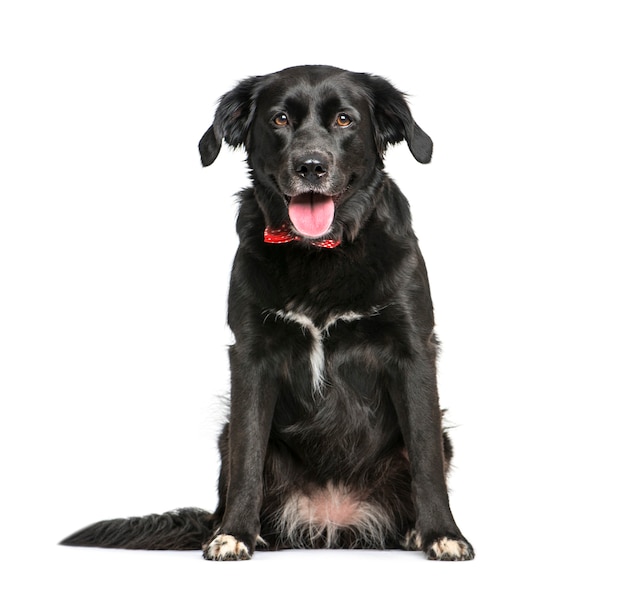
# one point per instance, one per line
(335, 435)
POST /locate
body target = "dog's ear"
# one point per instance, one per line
(233, 117)
(393, 121)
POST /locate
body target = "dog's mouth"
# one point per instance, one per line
(311, 214)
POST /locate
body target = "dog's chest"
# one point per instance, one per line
(319, 335)
(336, 390)
(333, 343)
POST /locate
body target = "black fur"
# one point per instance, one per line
(181, 529)
(335, 435)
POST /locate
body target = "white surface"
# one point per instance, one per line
(115, 249)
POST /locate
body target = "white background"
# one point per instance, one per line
(115, 250)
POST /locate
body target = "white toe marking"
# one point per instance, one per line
(226, 548)
(412, 541)
(446, 548)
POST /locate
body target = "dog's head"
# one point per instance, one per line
(315, 137)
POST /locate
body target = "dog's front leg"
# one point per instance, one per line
(417, 405)
(253, 397)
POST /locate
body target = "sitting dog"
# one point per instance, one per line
(335, 435)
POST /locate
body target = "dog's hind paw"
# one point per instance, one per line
(449, 549)
(412, 541)
(225, 547)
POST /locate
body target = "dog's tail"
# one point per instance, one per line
(183, 529)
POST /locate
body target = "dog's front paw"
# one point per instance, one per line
(225, 547)
(449, 549)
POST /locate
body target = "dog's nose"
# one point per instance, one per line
(312, 168)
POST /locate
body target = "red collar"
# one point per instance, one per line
(282, 235)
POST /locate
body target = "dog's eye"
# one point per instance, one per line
(281, 119)
(343, 120)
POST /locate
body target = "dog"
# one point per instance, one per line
(335, 436)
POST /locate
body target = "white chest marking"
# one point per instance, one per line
(316, 353)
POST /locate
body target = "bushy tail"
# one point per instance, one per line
(182, 529)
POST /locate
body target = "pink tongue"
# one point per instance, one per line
(312, 213)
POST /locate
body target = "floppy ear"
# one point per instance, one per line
(393, 121)
(232, 120)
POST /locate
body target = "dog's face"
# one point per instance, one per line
(315, 138)
(312, 142)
